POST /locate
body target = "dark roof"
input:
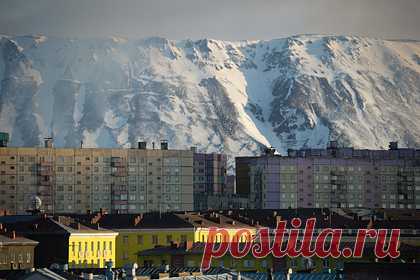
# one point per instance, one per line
(17, 218)
(58, 225)
(326, 218)
(35, 226)
(211, 219)
(135, 221)
(6, 240)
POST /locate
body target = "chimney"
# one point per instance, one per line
(291, 153)
(270, 151)
(333, 145)
(4, 139)
(278, 220)
(142, 145)
(393, 145)
(137, 220)
(163, 145)
(96, 219)
(48, 142)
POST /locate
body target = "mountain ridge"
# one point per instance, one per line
(222, 96)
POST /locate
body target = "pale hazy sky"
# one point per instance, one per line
(228, 19)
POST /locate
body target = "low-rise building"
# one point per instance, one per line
(16, 252)
(138, 232)
(63, 240)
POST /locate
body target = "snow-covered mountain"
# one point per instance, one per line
(217, 95)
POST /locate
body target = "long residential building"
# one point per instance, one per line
(78, 180)
(333, 177)
(209, 178)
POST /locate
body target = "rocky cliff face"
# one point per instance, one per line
(220, 96)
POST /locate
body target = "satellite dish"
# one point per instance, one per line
(55, 266)
(36, 203)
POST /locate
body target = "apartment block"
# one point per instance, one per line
(209, 178)
(334, 177)
(77, 180)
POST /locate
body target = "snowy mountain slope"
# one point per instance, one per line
(217, 95)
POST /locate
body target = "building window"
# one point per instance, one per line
(155, 240)
(140, 239)
(125, 239)
(168, 238)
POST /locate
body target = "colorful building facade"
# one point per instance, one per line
(333, 177)
(63, 240)
(81, 180)
(209, 178)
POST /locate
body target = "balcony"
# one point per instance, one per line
(45, 180)
(45, 168)
(117, 162)
(119, 171)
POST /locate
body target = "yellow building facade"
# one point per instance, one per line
(131, 242)
(92, 250)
